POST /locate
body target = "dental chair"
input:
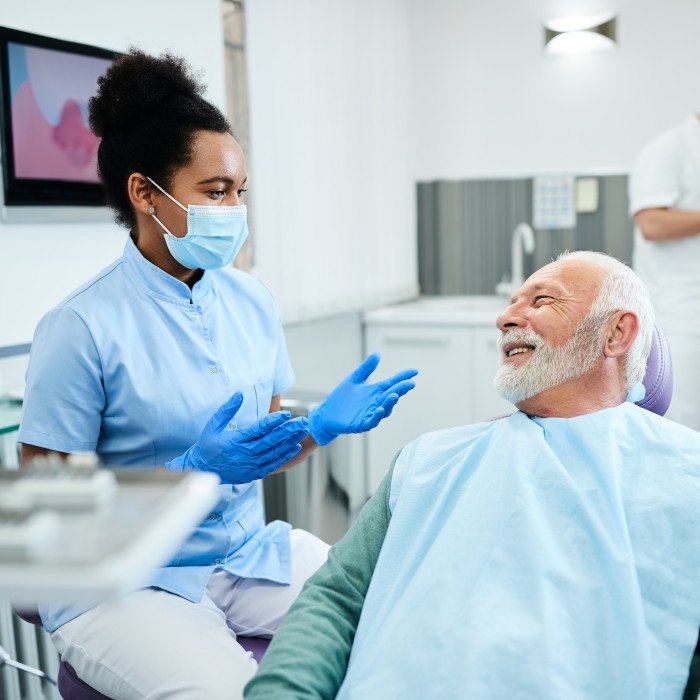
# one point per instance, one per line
(658, 382)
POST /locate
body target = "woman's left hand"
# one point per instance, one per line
(355, 406)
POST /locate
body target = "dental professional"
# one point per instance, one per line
(171, 357)
(664, 199)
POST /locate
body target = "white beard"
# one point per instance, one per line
(549, 365)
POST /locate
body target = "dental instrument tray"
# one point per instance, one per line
(75, 533)
(74, 484)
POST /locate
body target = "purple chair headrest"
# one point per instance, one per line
(658, 379)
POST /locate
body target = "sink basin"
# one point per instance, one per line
(441, 310)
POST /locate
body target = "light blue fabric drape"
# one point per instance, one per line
(537, 558)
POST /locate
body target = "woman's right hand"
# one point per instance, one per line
(242, 455)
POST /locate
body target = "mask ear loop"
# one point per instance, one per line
(170, 197)
(152, 211)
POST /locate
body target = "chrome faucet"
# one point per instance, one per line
(522, 232)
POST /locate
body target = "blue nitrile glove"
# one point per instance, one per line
(354, 406)
(242, 455)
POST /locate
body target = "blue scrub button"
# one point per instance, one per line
(218, 561)
(195, 315)
(216, 516)
(214, 369)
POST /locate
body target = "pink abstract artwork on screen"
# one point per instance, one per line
(50, 136)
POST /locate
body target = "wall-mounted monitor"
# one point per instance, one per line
(49, 154)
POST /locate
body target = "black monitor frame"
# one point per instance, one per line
(29, 191)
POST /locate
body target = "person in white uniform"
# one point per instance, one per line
(664, 194)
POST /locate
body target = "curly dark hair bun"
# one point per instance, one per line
(136, 84)
(147, 111)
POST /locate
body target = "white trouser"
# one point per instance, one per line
(153, 644)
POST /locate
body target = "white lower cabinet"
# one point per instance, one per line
(455, 385)
(486, 360)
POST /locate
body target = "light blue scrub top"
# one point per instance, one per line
(132, 365)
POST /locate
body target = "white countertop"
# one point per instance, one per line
(440, 311)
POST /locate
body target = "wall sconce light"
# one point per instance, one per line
(578, 34)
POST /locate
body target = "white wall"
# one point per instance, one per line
(351, 103)
(489, 102)
(331, 159)
(41, 263)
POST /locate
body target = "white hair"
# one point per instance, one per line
(622, 289)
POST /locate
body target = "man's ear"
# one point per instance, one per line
(140, 192)
(622, 329)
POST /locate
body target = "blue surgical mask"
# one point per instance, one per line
(215, 234)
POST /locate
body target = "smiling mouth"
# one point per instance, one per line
(513, 350)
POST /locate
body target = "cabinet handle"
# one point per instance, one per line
(424, 342)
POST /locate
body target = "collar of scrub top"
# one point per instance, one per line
(161, 283)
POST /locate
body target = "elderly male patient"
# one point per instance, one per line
(551, 554)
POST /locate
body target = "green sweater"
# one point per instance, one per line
(309, 655)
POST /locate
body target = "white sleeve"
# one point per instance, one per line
(655, 180)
